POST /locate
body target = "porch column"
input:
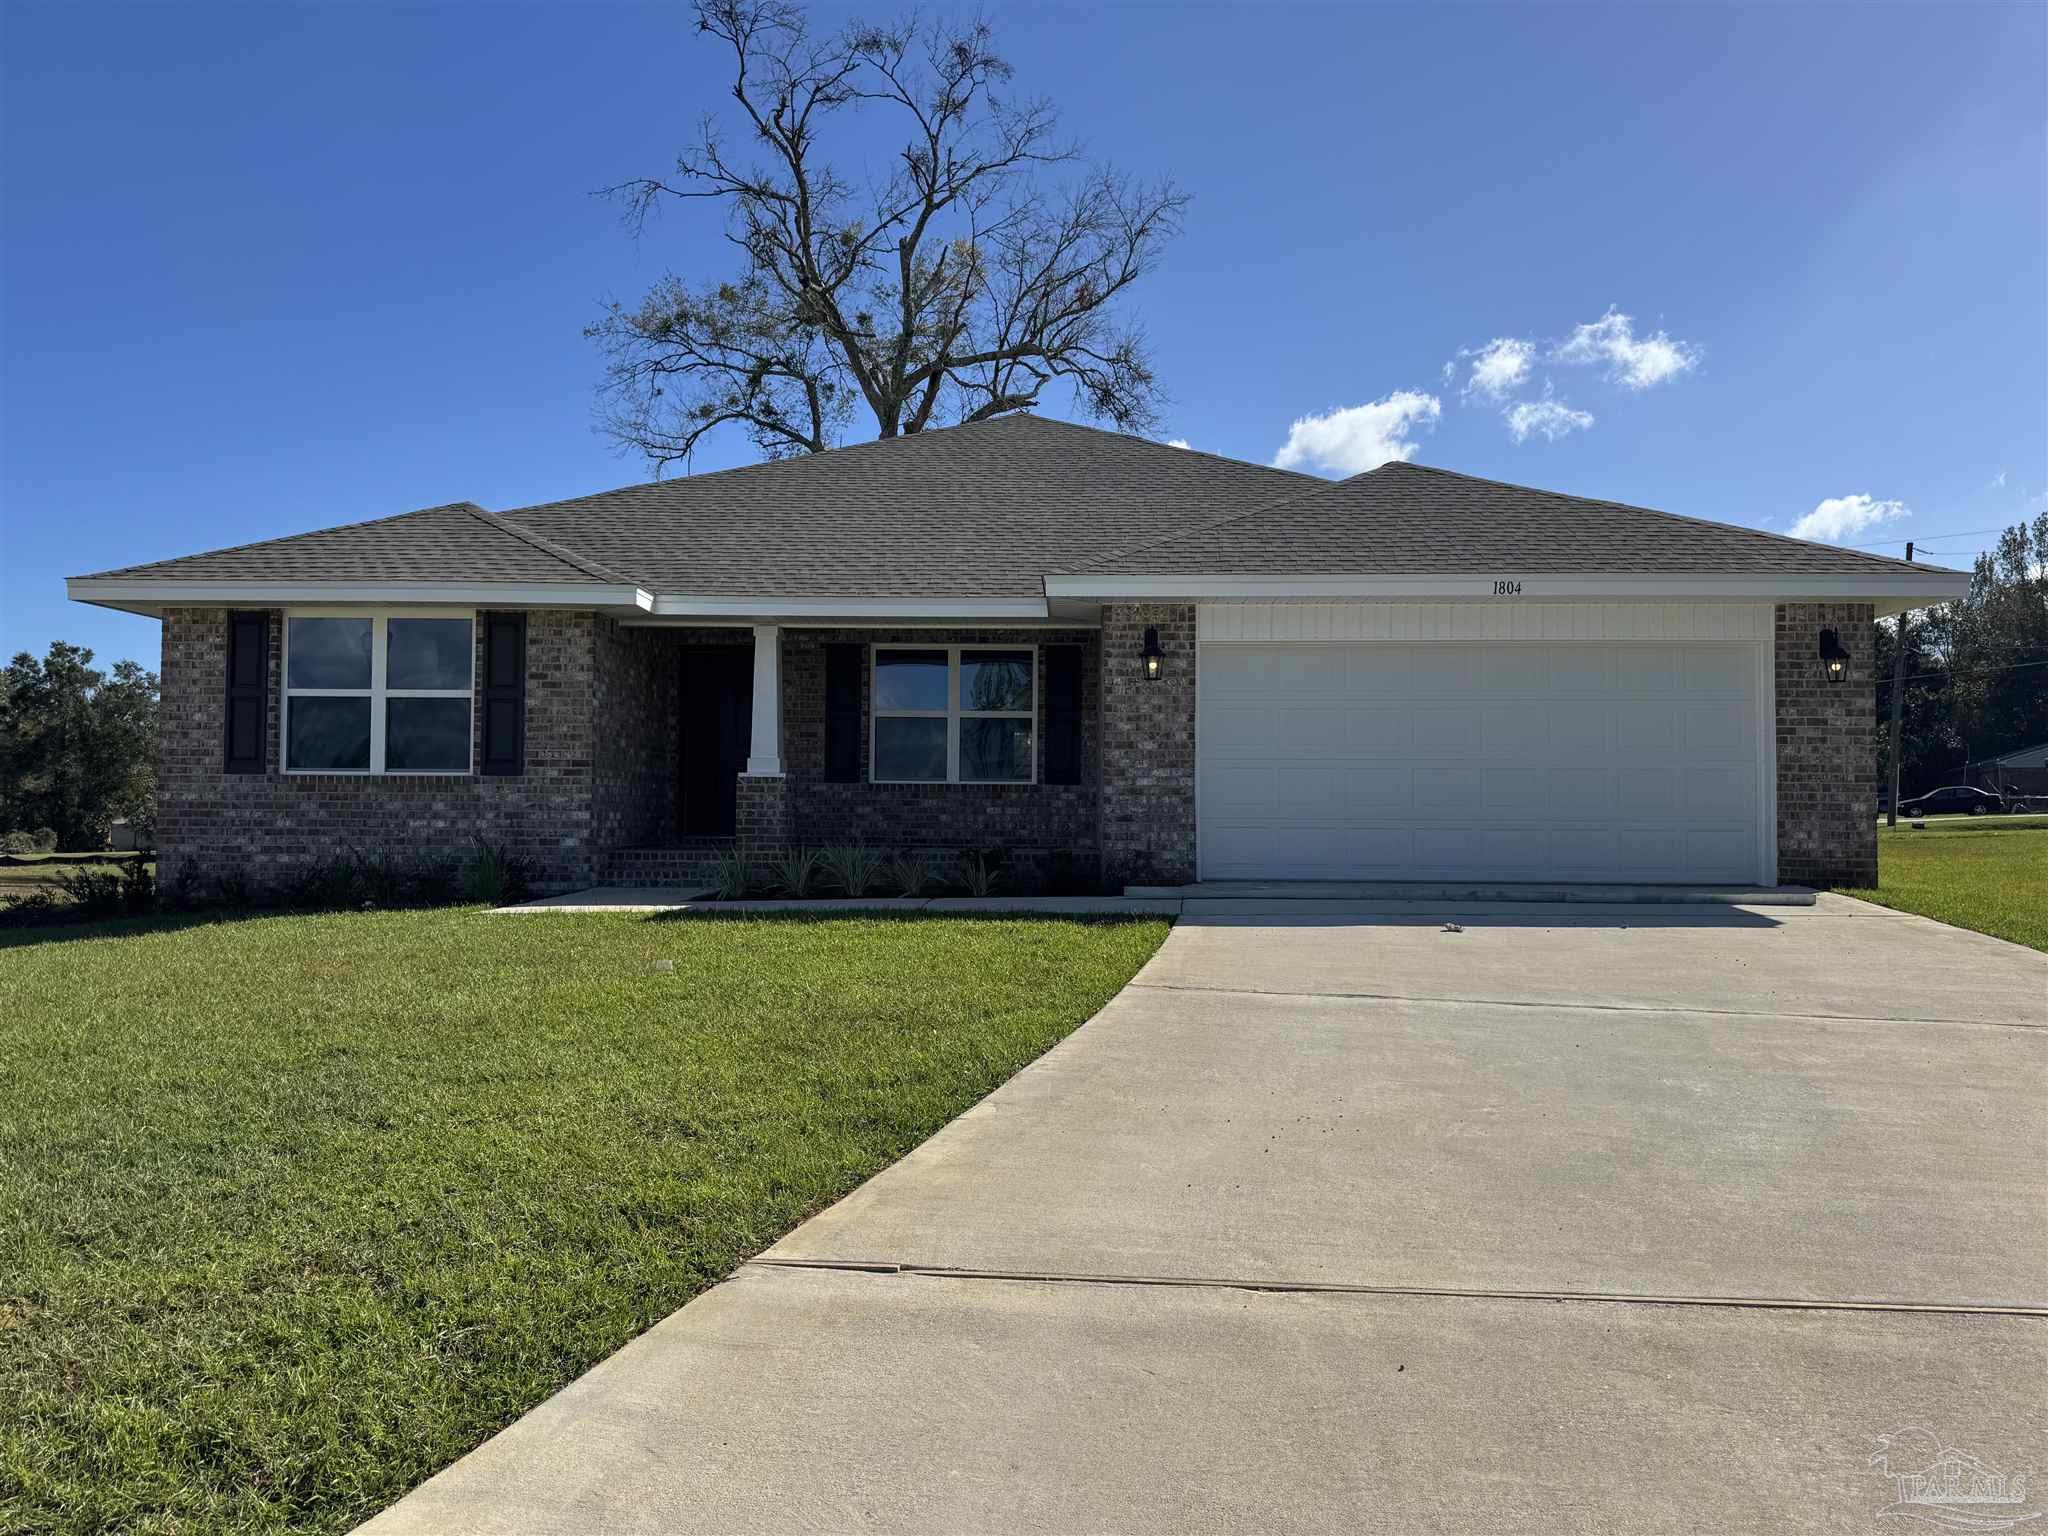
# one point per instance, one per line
(764, 752)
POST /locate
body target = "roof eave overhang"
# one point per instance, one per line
(816, 610)
(1888, 592)
(151, 598)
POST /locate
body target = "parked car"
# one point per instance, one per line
(1953, 800)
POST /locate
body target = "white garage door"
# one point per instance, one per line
(1529, 760)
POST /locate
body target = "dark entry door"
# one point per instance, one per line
(716, 721)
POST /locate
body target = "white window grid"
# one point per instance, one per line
(377, 693)
(953, 713)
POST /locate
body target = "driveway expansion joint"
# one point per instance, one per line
(1330, 1288)
(1552, 1007)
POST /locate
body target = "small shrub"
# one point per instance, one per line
(231, 889)
(978, 868)
(496, 877)
(795, 871)
(913, 872)
(128, 891)
(18, 842)
(1069, 872)
(41, 905)
(856, 868)
(45, 840)
(732, 875)
(432, 885)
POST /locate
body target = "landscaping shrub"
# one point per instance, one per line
(913, 872)
(44, 839)
(795, 871)
(979, 868)
(496, 877)
(732, 874)
(17, 842)
(855, 867)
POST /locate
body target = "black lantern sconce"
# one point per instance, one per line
(1833, 655)
(1152, 655)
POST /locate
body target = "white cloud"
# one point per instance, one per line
(1997, 482)
(1359, 437)
(1840, 516)
(1546, 418)
(1499, 368)
(1634, 361)
(1176, 442)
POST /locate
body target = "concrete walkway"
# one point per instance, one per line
(1552, 1219)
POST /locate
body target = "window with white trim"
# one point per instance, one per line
(378, 692)
(958, 714)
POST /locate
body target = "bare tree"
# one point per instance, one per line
(957, 289)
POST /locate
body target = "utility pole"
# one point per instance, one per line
(1891, 818)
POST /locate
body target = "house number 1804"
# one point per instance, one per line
(1507, 589)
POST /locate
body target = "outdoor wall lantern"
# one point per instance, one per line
(1833, 655)
(1152, 654)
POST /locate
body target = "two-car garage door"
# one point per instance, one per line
(1502, 760)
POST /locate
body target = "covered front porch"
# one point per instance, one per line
(762, 736)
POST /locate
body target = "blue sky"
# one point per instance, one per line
(269, 268)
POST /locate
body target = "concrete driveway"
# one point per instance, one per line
(1628, 1219)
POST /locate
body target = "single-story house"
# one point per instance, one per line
(1025, 634)
(2024, 772)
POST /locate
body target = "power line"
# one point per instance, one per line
(1924, 539)
(1955, 672)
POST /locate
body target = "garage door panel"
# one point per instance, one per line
(1509, 760)
(1439, 730)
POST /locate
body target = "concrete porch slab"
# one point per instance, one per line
(1482, 890)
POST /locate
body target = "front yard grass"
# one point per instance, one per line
(23, 873)
(295, 1210)
(1988, 873)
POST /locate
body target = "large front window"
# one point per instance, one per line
(959, 714)
(377, 693)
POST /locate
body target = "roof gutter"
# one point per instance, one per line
(1891, 593)
(151, 598)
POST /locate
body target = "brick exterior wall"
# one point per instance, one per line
(1827, 770)
(634, 683)
(761, 814)
(1041, 816)
(1148, 747)
(261, 827)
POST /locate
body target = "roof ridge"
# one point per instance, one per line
(1676, 517)
(768, 464)
(288, 538)
(549, 547)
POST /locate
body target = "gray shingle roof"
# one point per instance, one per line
(1411, 519)
(988, 510)
(974, 511)
(456, 542)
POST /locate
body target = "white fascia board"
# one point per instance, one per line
(1890, 592)
(152, 597)
(771, 609)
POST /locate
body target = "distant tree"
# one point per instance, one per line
(1978, 686)
(954, 287)
(77, 746)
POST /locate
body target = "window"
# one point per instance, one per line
(961, 714)
(377, 693)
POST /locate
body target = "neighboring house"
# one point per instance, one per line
(121, 835)
(1037, 636)
(2023, 773)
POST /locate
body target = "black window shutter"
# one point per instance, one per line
(842, 712)
(1063, 714)
(504, 693)
(248, 689)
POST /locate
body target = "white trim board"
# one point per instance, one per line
(1279, 622)
(1890, 593)
(151, 597)
(767, 609)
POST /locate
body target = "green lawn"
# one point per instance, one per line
(1989, 873)
(21, 873)
(295, 1210)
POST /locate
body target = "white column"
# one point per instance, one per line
(764, 752)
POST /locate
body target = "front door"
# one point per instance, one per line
(715, 718)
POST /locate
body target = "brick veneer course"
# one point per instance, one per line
(942, 816)
(1148, 746)
(1827, 769)
(261, 827)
